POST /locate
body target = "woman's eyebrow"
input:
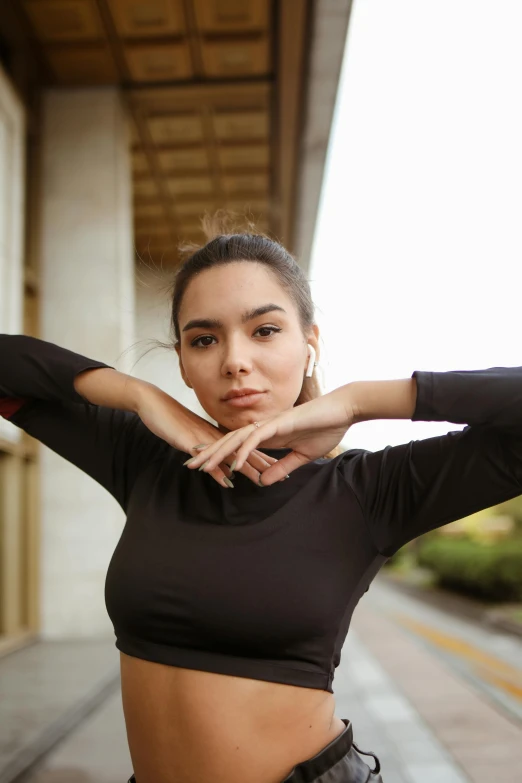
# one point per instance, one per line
(249, 315)
(257, 311)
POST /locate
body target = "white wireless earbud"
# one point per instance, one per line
(311, 363)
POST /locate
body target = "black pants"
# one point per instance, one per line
(338, 762)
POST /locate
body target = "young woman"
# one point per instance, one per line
(233, 583)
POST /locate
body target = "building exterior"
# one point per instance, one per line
(121, 123)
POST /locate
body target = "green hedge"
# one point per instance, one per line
(491, 572)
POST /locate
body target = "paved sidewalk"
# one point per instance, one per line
(46, 689)
(95, 752)
(483, 743)
(385, 722)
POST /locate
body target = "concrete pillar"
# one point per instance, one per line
(87, 305)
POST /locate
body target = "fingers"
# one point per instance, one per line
(253, 467)
(283, 468)
(222, 453)
(251, 472)
(218, 452)
(258, 460)
(271, 460)
(247, 448)
(220, 477)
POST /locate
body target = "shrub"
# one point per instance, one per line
(491, 572)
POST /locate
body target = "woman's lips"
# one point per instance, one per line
(244, 400)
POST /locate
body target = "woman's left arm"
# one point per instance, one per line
(491, 397)
(412, 488)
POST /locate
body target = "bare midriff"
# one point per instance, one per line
(190, 726)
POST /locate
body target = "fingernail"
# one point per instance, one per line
(228, 482)
(260, 482)
(233, 466)
(204, 465)
(287, 476)
(201, 446)
(189, 461)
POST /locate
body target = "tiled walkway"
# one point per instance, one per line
(95, 752)
(47, 688)
(481, 739)
(385, 722)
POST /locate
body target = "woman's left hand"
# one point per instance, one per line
(311, 430)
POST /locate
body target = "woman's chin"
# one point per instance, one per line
(236, 424)
(241, 418)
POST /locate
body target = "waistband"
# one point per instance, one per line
(312, 768)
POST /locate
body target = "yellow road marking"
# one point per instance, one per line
(491, 668)
(501, 682)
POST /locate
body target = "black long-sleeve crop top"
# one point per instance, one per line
(261, 582)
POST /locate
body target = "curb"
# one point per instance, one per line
(498, 620)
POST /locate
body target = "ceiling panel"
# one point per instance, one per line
(140, 163)
(176, 129)
(229, 58)
(147, 18)
(249, 205)
(154, 236)
(190, 186)
(192, 224)
(134, 133)
(145, 211)
(224, 16)
(249, 156)
(184, 160)
(146, 188)
(233, 126)
(159, 62)
(246, 183)
(156, 227)
(191, 209)
(64, 20)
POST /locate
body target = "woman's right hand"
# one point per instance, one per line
(182, 428)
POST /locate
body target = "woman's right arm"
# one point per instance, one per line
(34, 369)
(81, 408)
(111, 388)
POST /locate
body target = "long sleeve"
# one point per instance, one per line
(37, 394)
(35, 369)
(407, 490)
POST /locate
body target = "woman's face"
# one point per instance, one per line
(239, 329)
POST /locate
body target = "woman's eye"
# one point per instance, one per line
(197, 344)
(266, 331)
(270, 329)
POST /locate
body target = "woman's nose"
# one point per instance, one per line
(236, 360)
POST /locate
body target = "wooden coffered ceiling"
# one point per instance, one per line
(214, 89)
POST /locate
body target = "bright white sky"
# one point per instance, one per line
(417, 256)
